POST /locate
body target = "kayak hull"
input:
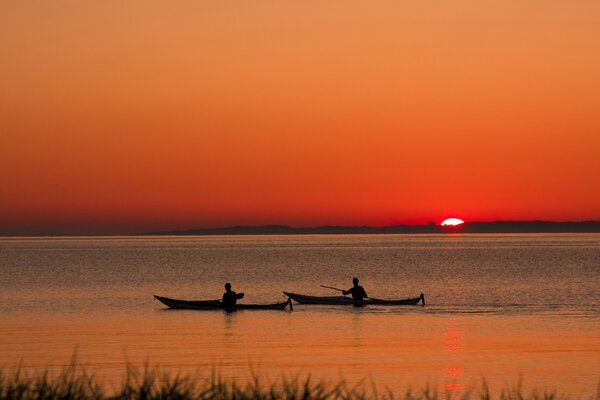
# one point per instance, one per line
(344, 300)
(217, 305)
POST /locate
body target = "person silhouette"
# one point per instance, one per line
(357, 291)
(230, 297)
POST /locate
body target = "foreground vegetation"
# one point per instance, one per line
(151, 383)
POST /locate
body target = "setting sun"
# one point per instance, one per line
(452, 222)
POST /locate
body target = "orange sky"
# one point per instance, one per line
(121, 117)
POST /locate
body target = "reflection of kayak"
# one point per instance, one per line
(217, 305)
(344, 300)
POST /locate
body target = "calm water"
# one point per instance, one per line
(498, 306)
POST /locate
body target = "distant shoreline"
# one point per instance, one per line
(469, 227)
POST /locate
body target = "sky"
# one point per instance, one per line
(122, 117)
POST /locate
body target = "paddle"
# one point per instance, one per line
(341, 290)
(331, 287)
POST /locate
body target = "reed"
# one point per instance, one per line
(148, 383)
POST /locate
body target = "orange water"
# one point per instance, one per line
(487, 314)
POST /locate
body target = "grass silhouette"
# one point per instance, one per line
(74, 382)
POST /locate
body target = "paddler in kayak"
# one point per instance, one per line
(357, 291)
(230, 297)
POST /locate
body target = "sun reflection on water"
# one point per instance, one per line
(453, 343)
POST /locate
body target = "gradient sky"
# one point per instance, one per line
(126, 116)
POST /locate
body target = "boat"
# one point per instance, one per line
(345, 300)
(218, 305)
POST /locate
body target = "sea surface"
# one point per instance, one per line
(515, 309)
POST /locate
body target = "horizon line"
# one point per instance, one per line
(426, 228)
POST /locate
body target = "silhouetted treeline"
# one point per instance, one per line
(469, 227)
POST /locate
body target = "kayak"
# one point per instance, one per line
(218, 305)
(344, 300)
